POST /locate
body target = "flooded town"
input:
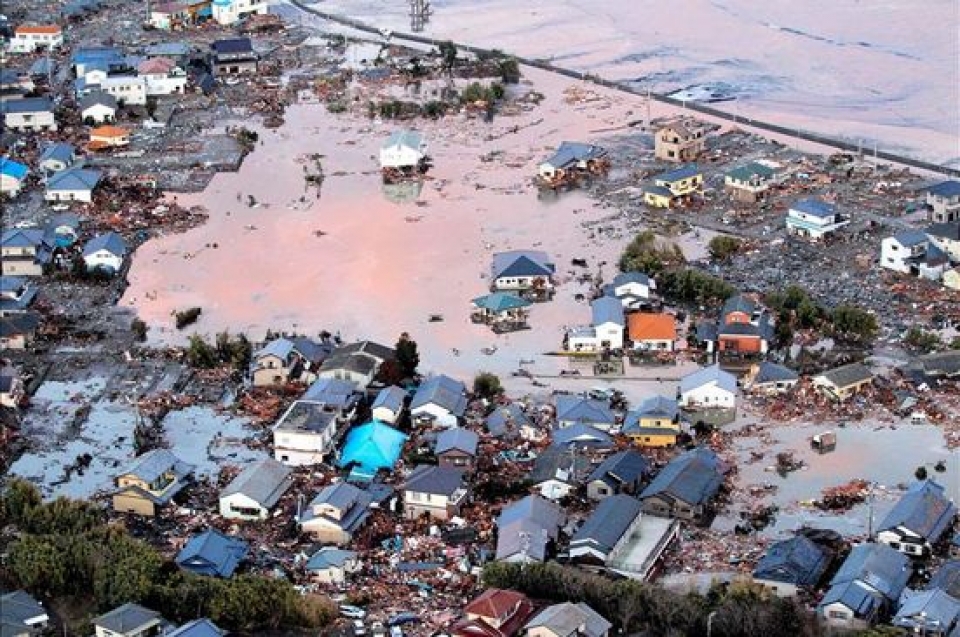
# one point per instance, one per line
(311, 325)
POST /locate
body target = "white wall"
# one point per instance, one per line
(441, 416)
(709, 396)
(241, 501)
(69, 195)
(399, 156)
(103, 259)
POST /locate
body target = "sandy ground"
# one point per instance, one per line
(876, 71)
(382, 267)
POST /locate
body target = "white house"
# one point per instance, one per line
(130, 90)
(902, 251)
(709, 387)
(946, 236)
(29, 38)
(571, 156)
(331, 565)
(29, 114)
(814, 219)
(227, 12)
(441, 400)
(304, 434)
(73, 184)
(437, 492)
(255, 491)
(388, 405)
(606, 330)
(403, 149)
(943, 199)
(162, 76)
(98, 106)
(105, 252)
(522, 270)
(633, 289)
(12, 176)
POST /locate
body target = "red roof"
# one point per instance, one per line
(50, 29)
(495, 602)
(511, 608)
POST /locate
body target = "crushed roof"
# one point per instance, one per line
(391, 398)
(796, 561)
(847, 375)
(582, 434)
(624, 466)
(457, 438)
(155, 463)
(924, 509)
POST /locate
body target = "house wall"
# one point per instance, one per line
(774, 387)
(455, 459)
(839, 616)
(40, 121)
(416, 504)
(943, 209)
(360, 379)
(951, 279)
(554, 489)
(441, 416)
(128, 503)
(669, 146)
(741, 343)
(98, 113)
(10, 185)
(69, 195)
(326, 532)
(683, 186)
(237, 506)
(386, 415)
(634, 289)
(164, 84)
(518, 282)
(14, 341)
(129, 90)
(103, 259)
(235, 10)
(780, 589)
(656, 200)
(329, 575)
(609, 335)
(655, 440)
(949, 246)
(904, 541)
(21, 267)
(399, 157)
(583, 343)
(541, 631)
(270, 370)
(893, 255)
(598, 490)
(708, 396)
(670, 508)
(30, 42)
(296, 449)
(662, 345)
(234, 67)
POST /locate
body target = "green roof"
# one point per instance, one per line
(745, 173)
(500, 302)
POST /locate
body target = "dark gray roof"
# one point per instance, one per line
(341, 495)
(568, 620)
(570, 153)
(306, 416)
(521, 263)
(926, 611)
(947, 578)
(353, 503)
(848, 375)
(390, 398)
(924, 509)
(19, 607)
(443, 391)
(264, 482)
(607, 524)
(334, 392)
(157, 462)
(795, 561)
(435, 480)
(370, 348)
(16, 324)
(554, 460)
(883, 568)
(941, 363)
(624, 466)
(27, 105)
(581, 434)
(855, 595)
(504, 417)
(232, 46)
(126, 618)
(98, 98)
(534, 508)
(949, 230)
(773, 373)
(457, 438)
(584, 410)
(212, 553)
(693, 477)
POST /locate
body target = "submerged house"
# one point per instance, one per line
(919, 519)
(572, 158)
(866, 589)
(525, 272)
(814, 218)
(503, 312)
(405, 151)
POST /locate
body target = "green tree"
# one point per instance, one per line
(487, 385)
(647, 254)
(723, 247)
(509, 71)
(408, 357)
(922, 340)
(201, 354)
(853, 323)
(19, 498)
(448, 55)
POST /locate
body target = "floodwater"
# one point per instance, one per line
(352, 260)
(209, 440)
(886, 454)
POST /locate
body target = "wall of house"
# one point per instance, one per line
(129, 90)
(234, 67)
(297, 457)
(163, 84)
(780, 589)
(237, 506)
(540, 631)
(951, 248)
(416, 504)
(441, 416)
(893, 255)
(330, 575)
(515, 282)
(455, 459)
(128, 503)
(610, 335)
(14, 341)
(69, 195)
(399, 157)
(360, 379)
(386, 415)
(21, 267)
(30, 42)
(98, 113)
(30, 121)
(708, 396)
(655, 200)
(904, 541)
(103, 259)
(554, 489)
(839, 616)
(229, 14)
(654, 440)
(326, 532)
(598, 490)
(654, 344)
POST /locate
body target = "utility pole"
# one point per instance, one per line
(419, 14)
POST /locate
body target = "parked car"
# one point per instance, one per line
(377, 629)
(403, 618)
(358, 628)
(352, 612)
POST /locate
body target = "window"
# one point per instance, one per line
(837, 614)
(603, 491)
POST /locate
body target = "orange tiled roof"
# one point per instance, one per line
(655, 327)
(109, 131)
(51, 29)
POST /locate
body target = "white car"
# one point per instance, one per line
(352, 612)
(358, 628)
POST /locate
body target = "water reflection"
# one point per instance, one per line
(403, 192)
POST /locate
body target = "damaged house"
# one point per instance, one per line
(150, 483)
(336, 513)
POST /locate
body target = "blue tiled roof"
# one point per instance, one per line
(795, 561)
(390, 398)
(693, 477)
(27, 105)
(927, 610)
(535, 508)
(625, 466)
(631, 277)
(59, 151)
(503, 415)
(814, 207)
(607, 309)
(658, 407)
(712, 374)
(428, 478)
(329, 556)
(855, 595)
(197, 628)
(908, 238)
(443, 391)
(883, 568)
(517, 263)
(924, 509)
(607, 524)
(582, 434)
(584, 410)
(569, 153)
(457, 438)
(279, 347)
(334, 392)
(10, 168)
(949, 188)
(110, 241)
(74, 179)
(679, 174)
(212, 553)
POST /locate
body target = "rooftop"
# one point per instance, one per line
(651, 327)
(607, 524)
(457, 438)
(264, 482)
(706, 376)
(814, 207)
(679, 174)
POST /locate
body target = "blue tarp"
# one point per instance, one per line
(372, 447)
